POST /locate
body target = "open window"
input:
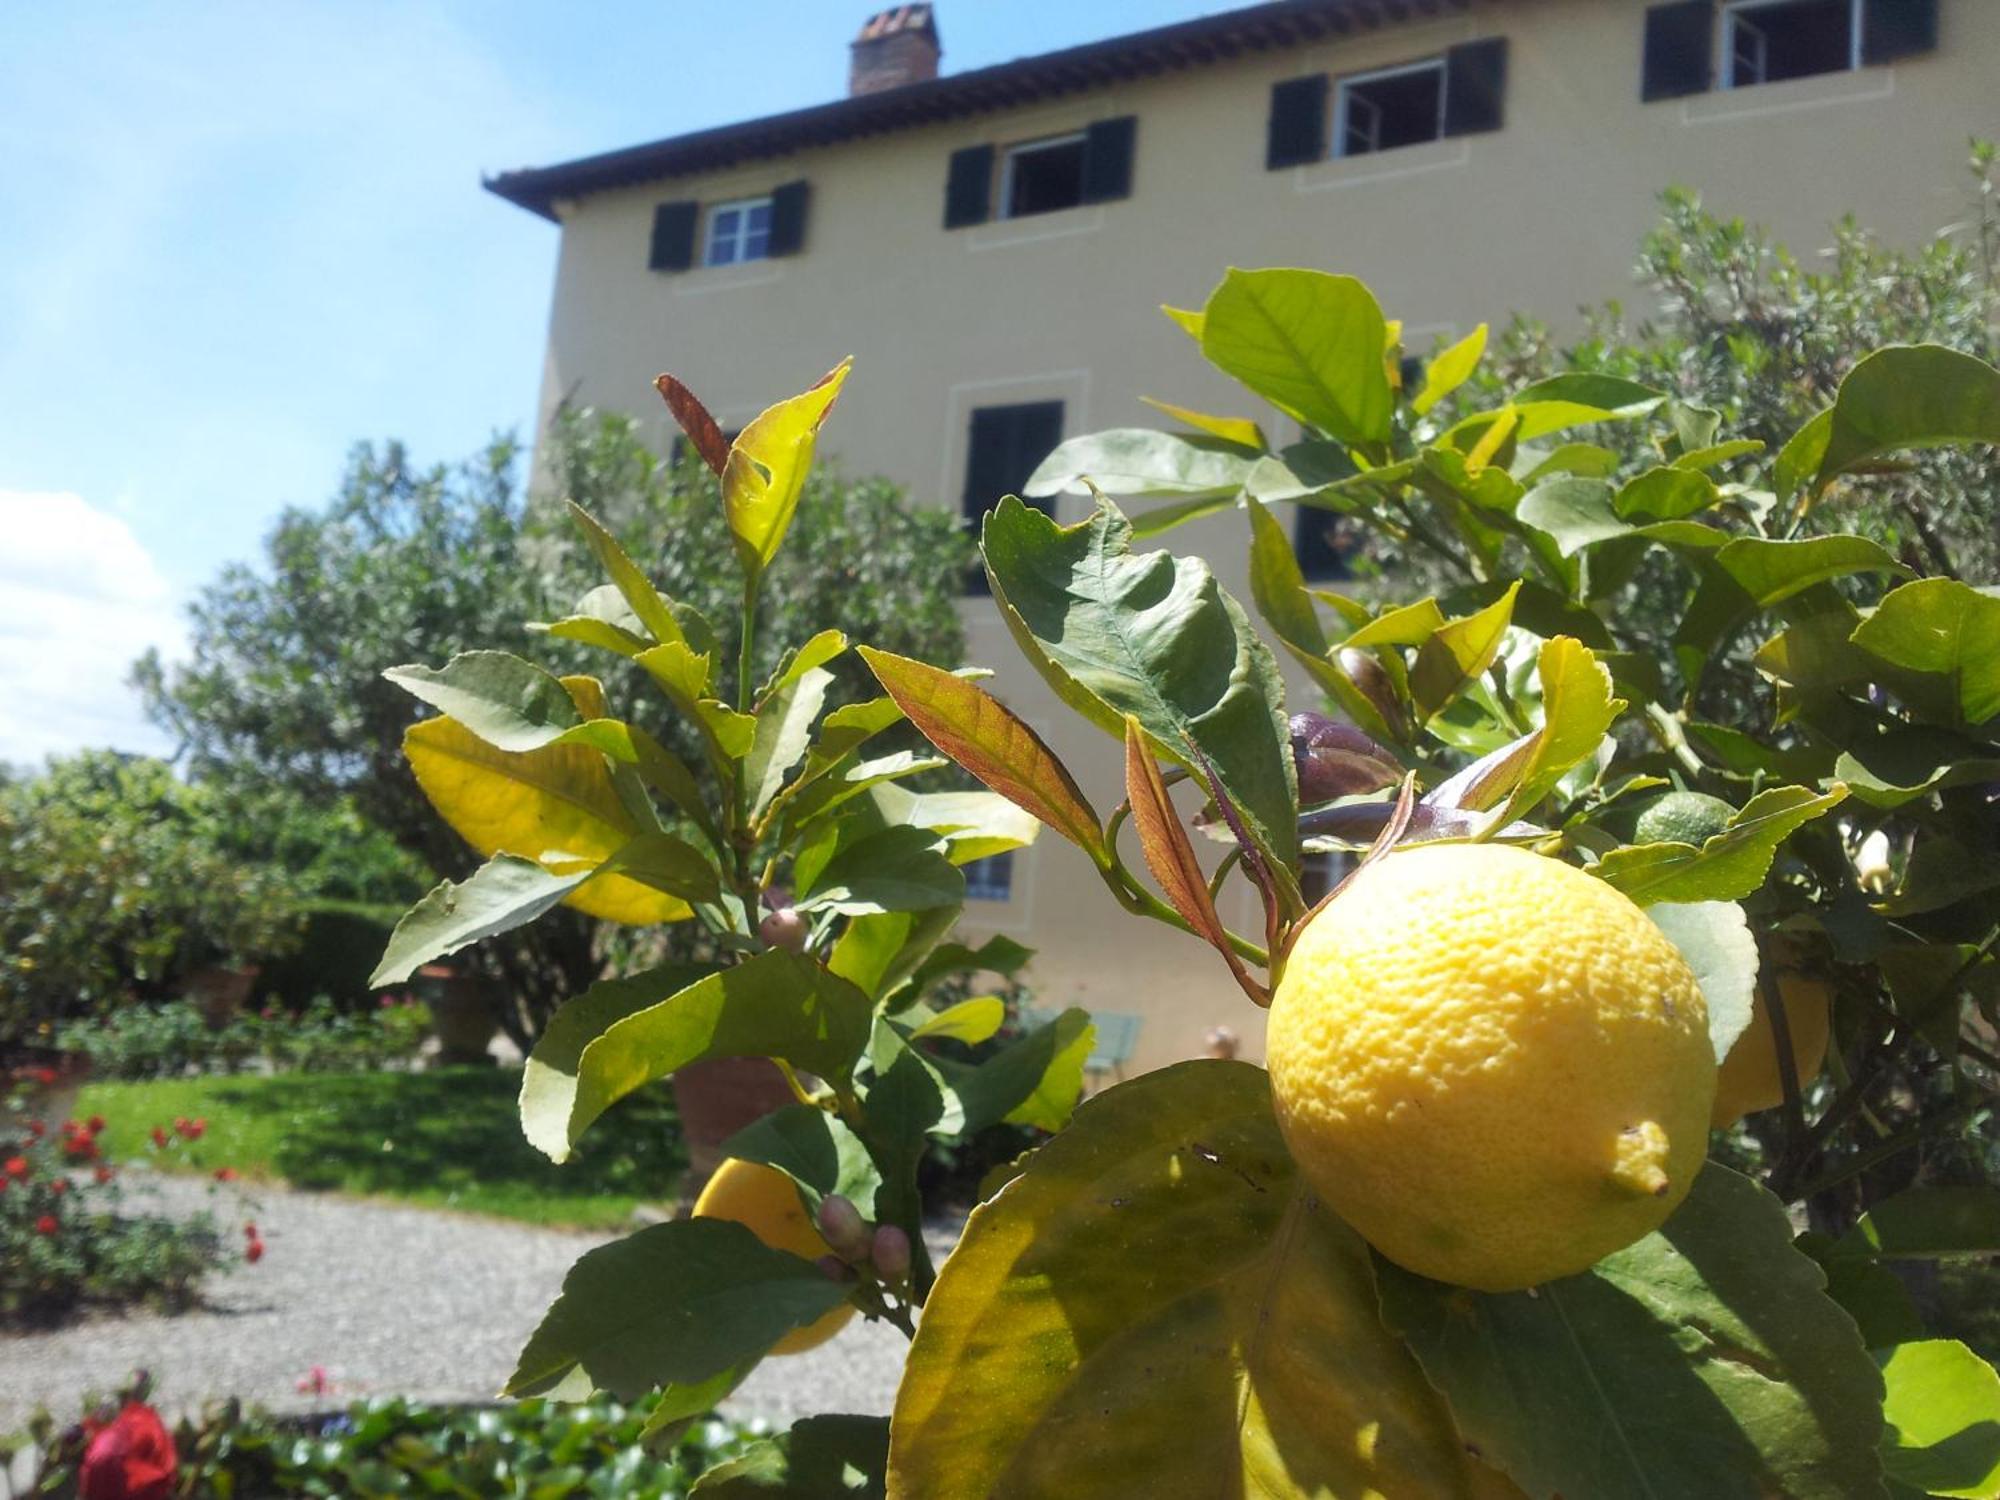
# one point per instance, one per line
(1392, 107)
(1040, 177)
(1768, 41)
(738, 231)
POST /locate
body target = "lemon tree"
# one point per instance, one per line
(1471, 1233)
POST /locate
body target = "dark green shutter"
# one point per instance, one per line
(1297, 132)
(788, 218)
(673, 236)
(1107, 159)
(1475, 86)
(1897, 28)
(968, 187)
(1680, 48)
(1003, 447)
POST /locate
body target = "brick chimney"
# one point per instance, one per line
(897, 46)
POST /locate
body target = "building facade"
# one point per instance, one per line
(993, 248)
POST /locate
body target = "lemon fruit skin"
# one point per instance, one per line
(763, 1200)
(1491, 1064)
(1749, 1078)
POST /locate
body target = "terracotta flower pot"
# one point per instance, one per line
(462, 1017)
(718, 1097)
(221, 993)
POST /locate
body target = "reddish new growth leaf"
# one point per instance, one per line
(701, 428)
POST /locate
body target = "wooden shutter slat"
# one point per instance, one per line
(1897, 28)
(1680, 50)
(673, 236)
(1297, 130)
(1475, 86)
(788, 218)
(968, 188)
(1107, 159)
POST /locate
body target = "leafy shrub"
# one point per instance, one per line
(533, 1450)
(176, 1038)
(113, 886)
(66, 1240)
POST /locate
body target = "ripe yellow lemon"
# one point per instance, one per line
(763, 1200)
(1492, 1065)
(1749, 1078)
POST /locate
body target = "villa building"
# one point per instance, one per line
(993, 247)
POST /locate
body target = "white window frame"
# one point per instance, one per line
(1026, 148)
(738, 241)
(1344, 102)
(1736, 14)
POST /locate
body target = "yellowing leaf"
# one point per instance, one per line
(1229, 429)
(767, 468)
(1450, 370)
(555, 805)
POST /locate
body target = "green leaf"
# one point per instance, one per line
(1771, 571)
(510, 703)
(1799, 460)
(685, 678)
(1703, 1360)
(784, 729)
(1034, 1081)
(767, 469)
(816, 1150)
(974, 824)
(1717, 454)
(879, 953)
(675, 1303)
(1155, 637)
(821, 1458)
(1943, 1415)
(1580, 513)
(817, 652)
(1942, 872)
(1309, 343)
(1140, 461)
(1910, 396)
(1727, 867)
(890, 869)
(1715, 939)
(1450, 370)
(1577, 712)
(1574, 400)
(1925, 1223)
(981, 734)
(1457, 652)
(1232, 1349)
(1946, 629)
(1666, 494)
(1278, 588)
(970, 1021)
(1238, 430)
(776, 1004)
(653, 612)
(1905, 764)
(504, 893)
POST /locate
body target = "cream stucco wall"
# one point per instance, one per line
(1543, 216)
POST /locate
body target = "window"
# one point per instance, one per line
(1002, 449)
(1320, 873)
(1395, 107)
(1042, 176)
(1321, 544)
(991, 878)
(1768, 41)
(738, 232)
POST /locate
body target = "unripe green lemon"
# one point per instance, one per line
(1491, 1064)
(1683, 818)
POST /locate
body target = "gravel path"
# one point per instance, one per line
(391, 1301)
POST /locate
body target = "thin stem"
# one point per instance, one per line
(743, 659)
(1788, 1068)
(798, 1089)
(1875, 1155)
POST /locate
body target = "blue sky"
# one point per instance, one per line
(237, 237)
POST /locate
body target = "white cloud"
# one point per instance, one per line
(80, 599)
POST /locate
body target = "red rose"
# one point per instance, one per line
(254, 1251)
(249, 1231)
(131, 1457)
(195, 1130)
(36, 1130)
(159, 1137)
(104, 1175)
(95, 1124)
(225, 1174)
(44, 1076)
(182, 1124)
(58, 1185)
(47, 1224)
(17, 1166)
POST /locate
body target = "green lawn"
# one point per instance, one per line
(448, 1138)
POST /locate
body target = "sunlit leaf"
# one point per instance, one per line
(1910, 396)
(892, 869)
(1308, 342)
(1140, 461)
(1727, 867)
(820, 1458)
(1239, 430)
(1577, 712)
(1943, 1415)
(768, 465)
(1457, 652)
(1450, 370)
(784, 729)
(1702, 1360)
(1943, 628)
(510, 703)
(1715, 939)
(653, 611)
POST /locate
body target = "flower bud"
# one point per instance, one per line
(783, 928)
(891, 1253)
(1337, 760)
(841, 1226)
(833, 1268)
(1871, 863)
